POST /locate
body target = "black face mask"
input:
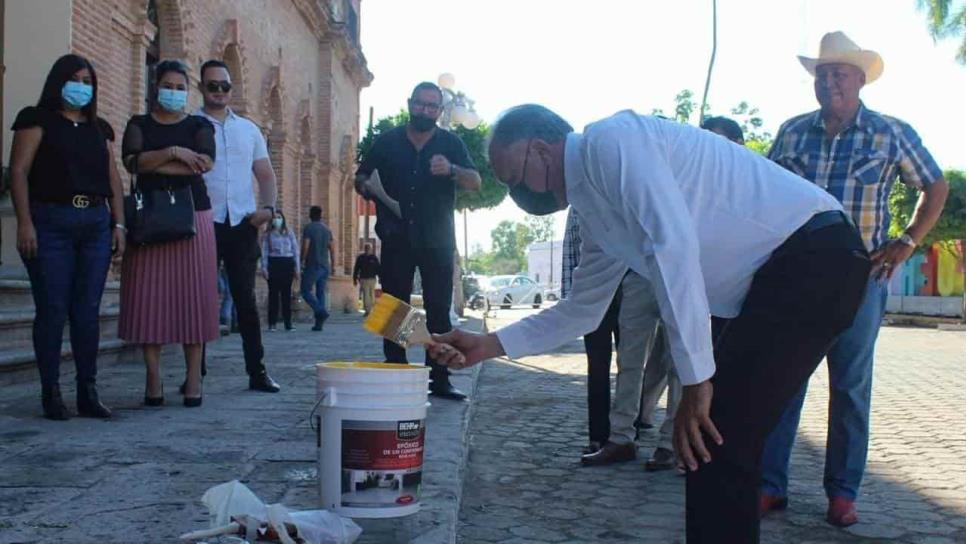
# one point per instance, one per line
(422, 123)
(533, 202)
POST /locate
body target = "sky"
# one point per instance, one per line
(588, 60)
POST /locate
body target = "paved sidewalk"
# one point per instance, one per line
(525, 485)
(139, 477)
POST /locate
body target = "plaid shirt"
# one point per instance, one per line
(571, 253)
(859, 165)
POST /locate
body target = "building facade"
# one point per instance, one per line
(544, 261)
(297, 68)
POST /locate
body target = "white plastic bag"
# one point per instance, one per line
(234, 500)
(314, 526)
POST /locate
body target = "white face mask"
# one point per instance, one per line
(277, 223)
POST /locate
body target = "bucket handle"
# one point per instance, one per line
(315, 407)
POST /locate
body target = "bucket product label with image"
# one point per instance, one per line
(382, 462)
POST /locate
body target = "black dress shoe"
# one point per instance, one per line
(263, 382)
(88, 404)
(319, 322)
(54, 407)
(446, 391)
(592, 447)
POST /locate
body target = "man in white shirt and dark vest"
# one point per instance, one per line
(718, 231)
(241, 153)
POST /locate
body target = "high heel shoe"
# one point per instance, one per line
(154, 401)
(193, 402)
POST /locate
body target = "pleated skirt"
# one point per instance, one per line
(169, 292)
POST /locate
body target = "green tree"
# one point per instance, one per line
(946, 21)
(541, 227)
(951, 225)
(746, 115)
(510, 240)
(756, 138)
(491, 193)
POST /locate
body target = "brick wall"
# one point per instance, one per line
(294, 78)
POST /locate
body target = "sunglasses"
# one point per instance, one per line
(215, 86)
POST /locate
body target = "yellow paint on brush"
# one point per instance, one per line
(382, 312)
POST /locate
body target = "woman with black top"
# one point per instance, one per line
(169, 291)
(67, 193)
(280, 266)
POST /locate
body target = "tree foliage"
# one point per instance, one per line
(510, 241)
(946, 21)
(952, 223)
(492, 191)
(541, 227)
(746, 115)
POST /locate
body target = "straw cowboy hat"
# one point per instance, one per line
(838, 48)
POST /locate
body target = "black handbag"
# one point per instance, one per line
(157, 216)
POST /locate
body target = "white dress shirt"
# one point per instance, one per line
(687, 209)
(238, 144)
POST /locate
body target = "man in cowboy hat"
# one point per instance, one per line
(855, 154)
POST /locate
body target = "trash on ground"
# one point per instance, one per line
(235, 510)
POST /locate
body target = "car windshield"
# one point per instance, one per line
(499, 282)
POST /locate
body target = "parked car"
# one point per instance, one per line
(507, 291)
(552, 294)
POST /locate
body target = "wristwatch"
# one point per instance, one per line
(907, 239)
(452, 170)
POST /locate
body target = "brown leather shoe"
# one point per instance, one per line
(769, 503)
(609, 454)
(592, 447)
(841, 512)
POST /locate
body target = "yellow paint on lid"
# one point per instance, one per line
(371, 366)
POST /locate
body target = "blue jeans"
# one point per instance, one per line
(67, 281)
(850, 395)
(226, 312)
(314, 277)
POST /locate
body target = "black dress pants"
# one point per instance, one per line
(238, 250)
(281, 274)
(399, 264)
(599, 350)
(799, 301)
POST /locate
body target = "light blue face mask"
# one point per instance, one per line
(172, 99)
(76, 94)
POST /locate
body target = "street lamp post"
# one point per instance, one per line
(457, 110)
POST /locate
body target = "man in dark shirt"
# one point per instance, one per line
(420, 166)
(365, 271)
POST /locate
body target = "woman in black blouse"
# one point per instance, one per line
(65, 191)
(169, 292)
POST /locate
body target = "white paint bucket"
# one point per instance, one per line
(371, 428)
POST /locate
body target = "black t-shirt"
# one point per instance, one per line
(72, 158)
(196, 133)
(367, 267)
(427, 201)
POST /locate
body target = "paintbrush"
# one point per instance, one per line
(398, 322)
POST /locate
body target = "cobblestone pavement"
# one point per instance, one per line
(139, 477)
(524, 482)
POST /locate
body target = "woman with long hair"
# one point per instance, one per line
(169, 291)
(70, 216)
(280, 266)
